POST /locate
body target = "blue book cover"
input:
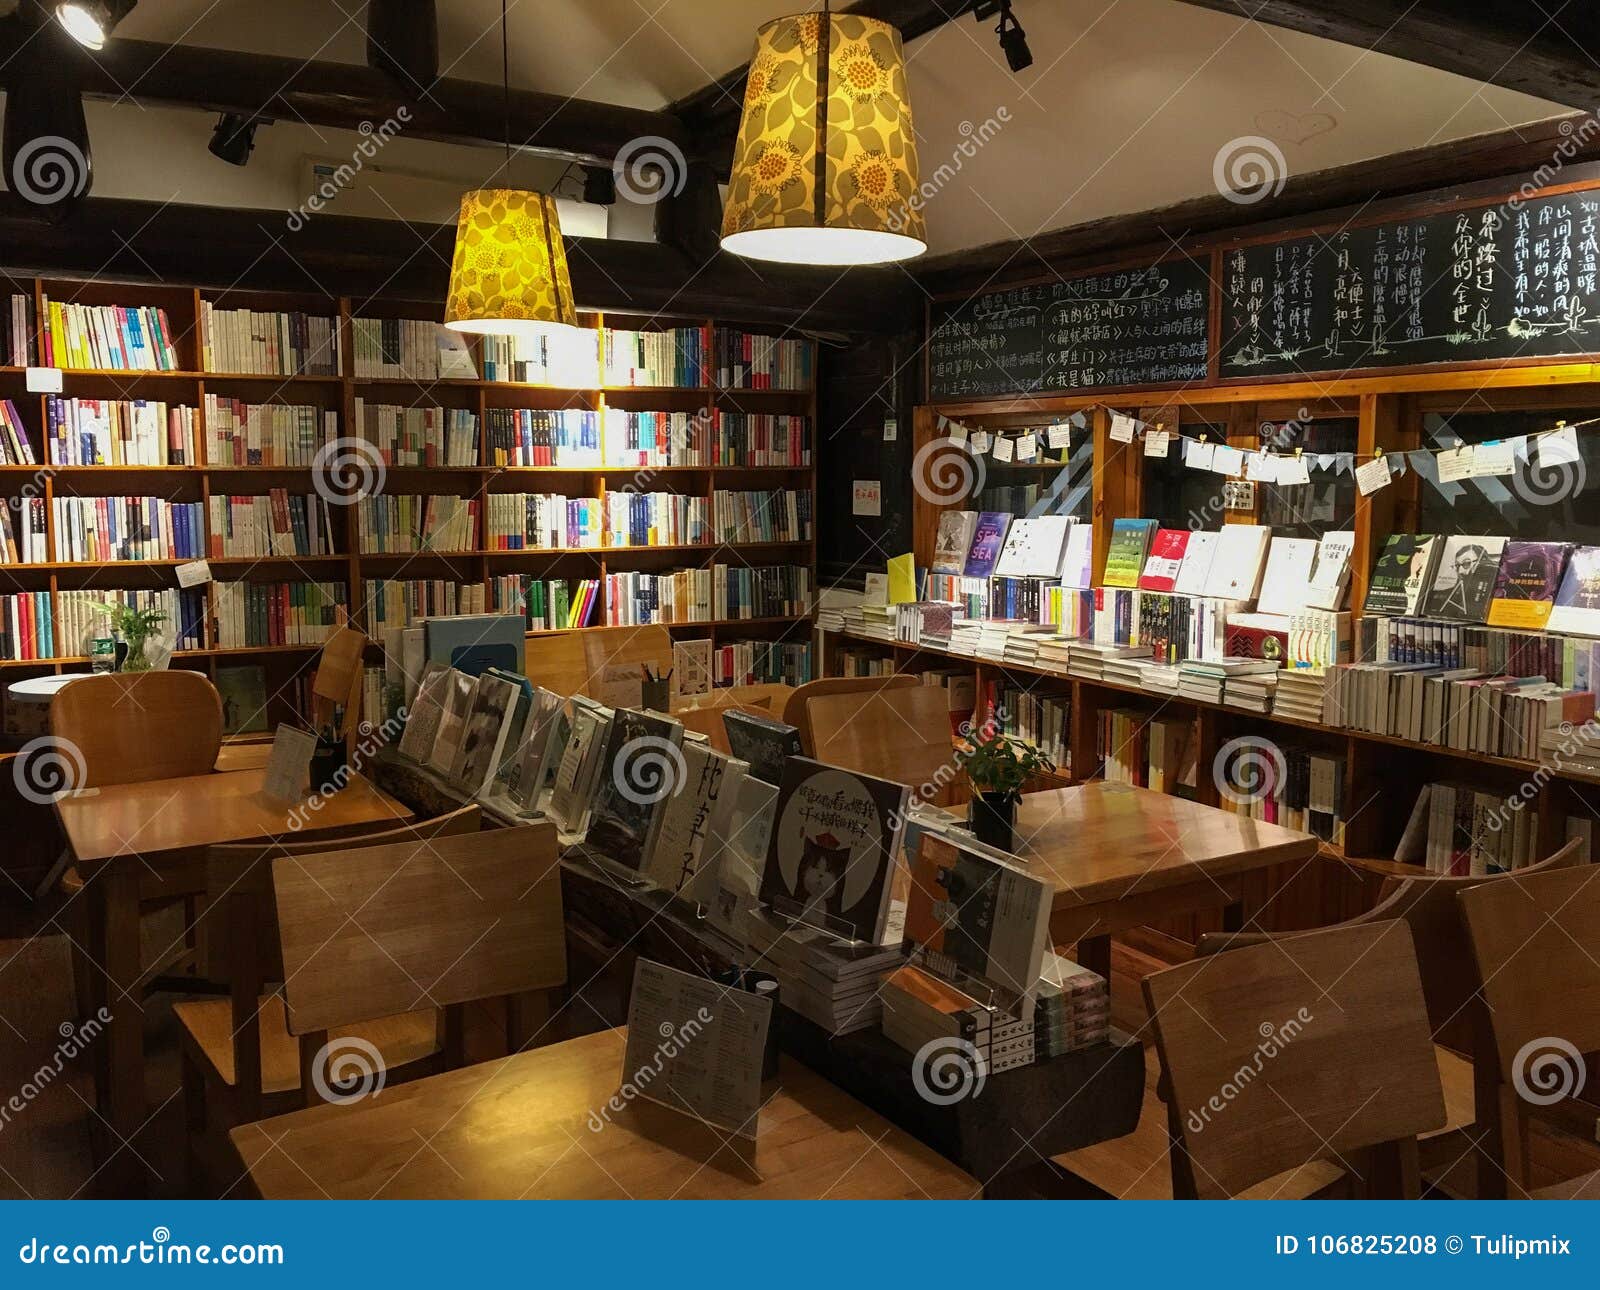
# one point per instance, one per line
(988, 537)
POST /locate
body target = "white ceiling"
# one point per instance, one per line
(1126, 107)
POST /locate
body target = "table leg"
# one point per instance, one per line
(117, 889)
(1094, 953)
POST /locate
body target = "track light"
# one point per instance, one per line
(233, 137)
(1013, 40)
(599, 186)
(91, 21)
(46, 146)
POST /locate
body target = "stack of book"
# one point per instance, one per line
(1252, 691)
(1208, 678)
(964, 633)
(1071, 1008)
(1088, 661)
(1300, 694)
(992, 636)
(876, 622)
(830, 618)
(836, 984)
(1022, 644)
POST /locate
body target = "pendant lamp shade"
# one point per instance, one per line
(509, 273)
(825, 169)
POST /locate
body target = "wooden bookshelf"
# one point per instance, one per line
(189, 385)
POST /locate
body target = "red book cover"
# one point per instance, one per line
(1165, 559)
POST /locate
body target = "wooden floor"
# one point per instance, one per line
(45, 1149)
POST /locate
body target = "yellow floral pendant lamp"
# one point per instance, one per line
(508, 276)
(825, 169)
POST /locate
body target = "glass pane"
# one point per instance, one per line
(1180, 498)
(1550, 503)
(1328, 502)
(1039, 487)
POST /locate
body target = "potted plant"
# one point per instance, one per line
(997, 766)
(134, 627)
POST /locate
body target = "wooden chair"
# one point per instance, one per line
(574, 662)
(796, 710)
(239, 1061)
(708, 721)
(1429, 906)
(336, 687)
(902, 734)
(1533, 937)
(1280, 1057)
(127, 728)
(382, 931)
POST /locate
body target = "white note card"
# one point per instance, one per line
(1060, 435)
(1157, 443)
(1373, 475)
(194, 574)
(1197, 454)
(866, 497)
(1455, 464)
(1559, 448)
(1261, 467)
(1004, 447)
(44, 380)
(958, 432)
(1122, 428)
(1027, 446)
(1227, 461)
(1293, 470)
(980, 441)
(1497, 457)
(289, 764)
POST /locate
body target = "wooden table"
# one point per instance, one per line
(1121, 857)
(522, 1127)
(146, 842)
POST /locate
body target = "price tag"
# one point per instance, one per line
(1060, 435)
(958, 432)
(1027, 446)
(1122, 428)
(1373, 476)
(1157, 443)
(1560, 448)
(1227, 461)
(194, 574)
(1455, 464)
(1198, 455)
(891, 429)
(1004, 448)
(1293, 470)
(44, 380)
(1497, 457)
(1261, 467)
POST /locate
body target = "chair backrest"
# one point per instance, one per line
(241, 916)
(796, 710)
(1312, 1048)
(382, 930)
(901, 734)
(337, 684)
(1428, 905)
(574, 662)
(129, 727)
(707, 721)
(1534, 938)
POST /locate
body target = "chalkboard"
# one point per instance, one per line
(1143, 326)
(1498, 281)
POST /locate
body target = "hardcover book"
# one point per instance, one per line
(471, 643)
(455, 707)
(641, 769)
(1463, 584)
(573, 791)
(761, 743)
(1577, 607)
(988, 538)
(1197, 557)
(950, 547)
(422, 721)
(1525, 587)
(244, 699)
(1077, 561)
(730, 877)
(1130, 543)
(541, 749)
(835, 836)
(691, 667)
(1165, 561)
(693, 815)
(1287, 577)
(1402, 574)
(1331, 574)
(494, 701)
(1236, 565)
(1034, 547)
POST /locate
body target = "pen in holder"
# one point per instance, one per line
(655, 690)
(329, 760)
(764, 986)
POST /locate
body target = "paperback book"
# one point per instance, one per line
(641, 768)
(1526, 586)
(1463, 584)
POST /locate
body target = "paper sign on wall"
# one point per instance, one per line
(1122, 428)
(866, 497)
(1060, 435)
(44, 380)
(1157, 443)
(1004, 448)
(1373, 475)
(891, 429)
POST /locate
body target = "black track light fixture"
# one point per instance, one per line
(1013, 40)
(91, 21)
(233, 137)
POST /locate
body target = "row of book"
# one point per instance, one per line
(719, 593)
(1042, 720)
(658, 438)
(1296, 787)
(19, 331)
(656, 519)
(673, 356)
(35, 625)
(1464, 832)
(568, 357)
(15, 450)
(405, 523)
(266, 434)
(418, 436)
(747, 361)
(408, 348)
(581, 438)
(118, 432)
(276, 524)
(759, 662)
(1490, 649)
(1155, 752)
(268, 342)
(399, 602)
(545, 604)
(542, 521)
(763, 515)
(111, 337)
(94, 529)
(1503, 582)
(253, 614)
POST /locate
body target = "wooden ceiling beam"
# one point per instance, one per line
(1546, 50)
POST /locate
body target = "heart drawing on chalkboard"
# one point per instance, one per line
(1278, 124)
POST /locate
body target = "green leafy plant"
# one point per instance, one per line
(135, 626)
(999, 765)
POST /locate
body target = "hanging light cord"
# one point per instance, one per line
(505, 83)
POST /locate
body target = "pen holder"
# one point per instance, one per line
(327, 765)
(656, 695)
(764, 986)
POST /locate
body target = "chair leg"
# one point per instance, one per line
(76, 918)
(54, 876)
(194, 1116)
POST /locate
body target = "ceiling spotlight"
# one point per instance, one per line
(233, 137)
(91, 21)
(1013, 40)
